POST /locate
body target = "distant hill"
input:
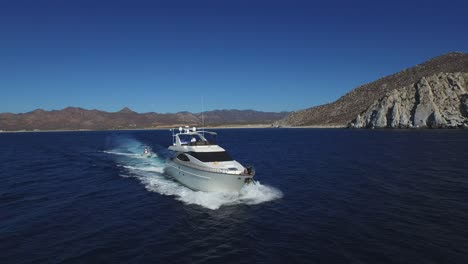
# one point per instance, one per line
(74, 118)
(344, 111)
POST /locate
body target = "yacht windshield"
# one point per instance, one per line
(211, 156)
(187, 139)
(210, 137)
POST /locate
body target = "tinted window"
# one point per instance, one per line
(211, 156)
(183, 157)
(187, 139)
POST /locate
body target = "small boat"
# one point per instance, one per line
(203, 165)
(147, 153)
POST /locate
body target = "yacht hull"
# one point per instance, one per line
(204, 180)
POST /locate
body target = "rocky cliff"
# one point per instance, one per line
(436, 101)
(346, 108)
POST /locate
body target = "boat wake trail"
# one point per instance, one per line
(150, 172)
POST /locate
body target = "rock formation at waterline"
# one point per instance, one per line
(437, 101)
(345, 109)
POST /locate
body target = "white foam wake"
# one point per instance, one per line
(123, 153)
(249, 194)
(146, 168)
(151, 173)
(159, 183)
(133, 155)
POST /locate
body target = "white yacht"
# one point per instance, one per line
(203, 165)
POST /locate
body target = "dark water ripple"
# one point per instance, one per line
(349, 196)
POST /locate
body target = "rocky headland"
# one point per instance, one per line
(430, 94)
(437, 101)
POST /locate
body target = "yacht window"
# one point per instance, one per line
(211, 156)
(190, 139)
(182, 157)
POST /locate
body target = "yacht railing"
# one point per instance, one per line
(249, 170)
(197, 143)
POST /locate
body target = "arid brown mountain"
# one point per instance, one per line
(437, 101)
(348, 107)
(74, 118)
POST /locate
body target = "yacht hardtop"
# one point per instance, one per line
(193, 140)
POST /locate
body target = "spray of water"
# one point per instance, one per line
(150, 171)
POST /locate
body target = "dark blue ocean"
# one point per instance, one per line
(324, 196)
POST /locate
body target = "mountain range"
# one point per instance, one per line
(75, 118)
(431, 94)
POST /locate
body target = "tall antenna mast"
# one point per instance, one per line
(202, 117)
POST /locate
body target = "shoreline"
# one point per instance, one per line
(224, 127)
(252, 126)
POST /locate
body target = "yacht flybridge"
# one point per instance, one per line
(202, 165)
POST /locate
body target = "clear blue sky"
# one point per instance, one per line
(164, 56)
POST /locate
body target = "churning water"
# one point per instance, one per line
(324, 196)
(150, 172)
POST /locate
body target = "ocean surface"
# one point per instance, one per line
(323, 196)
